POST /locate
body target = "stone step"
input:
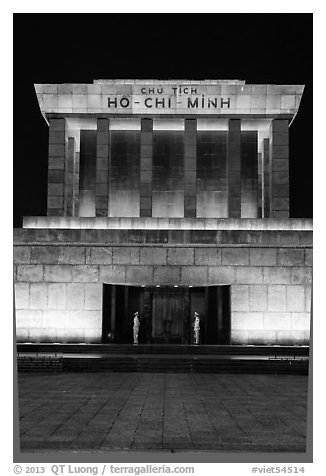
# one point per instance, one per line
(162, 364)
(293, 351)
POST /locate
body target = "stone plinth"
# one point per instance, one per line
(59, 276)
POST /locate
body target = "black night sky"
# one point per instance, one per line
(77, 48)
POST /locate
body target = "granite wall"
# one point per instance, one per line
(59, 276)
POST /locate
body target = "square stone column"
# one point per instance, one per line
(56, 167)
(234, 168)
(279, 157)
(146, 167)
(102, 167)
(260, 198)
(69, 177)
(267, 180)
(75, 186)
(190, 167)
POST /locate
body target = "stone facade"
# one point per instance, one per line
(166, 183)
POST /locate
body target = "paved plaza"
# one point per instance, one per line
(162, 411)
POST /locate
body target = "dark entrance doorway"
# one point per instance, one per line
(166, 314)
(170, 310)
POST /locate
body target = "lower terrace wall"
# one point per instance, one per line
(59, 276)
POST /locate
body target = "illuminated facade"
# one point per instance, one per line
(167, 197)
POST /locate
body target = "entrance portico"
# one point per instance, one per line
(166, 313)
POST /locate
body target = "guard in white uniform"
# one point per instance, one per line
(136, 327)
(196, 328)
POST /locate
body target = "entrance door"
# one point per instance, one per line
(168, 316)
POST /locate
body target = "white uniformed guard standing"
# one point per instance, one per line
(196, 328)
(136, 327)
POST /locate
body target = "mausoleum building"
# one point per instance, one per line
(166, 198)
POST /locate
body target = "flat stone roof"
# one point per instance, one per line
(170, 97)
